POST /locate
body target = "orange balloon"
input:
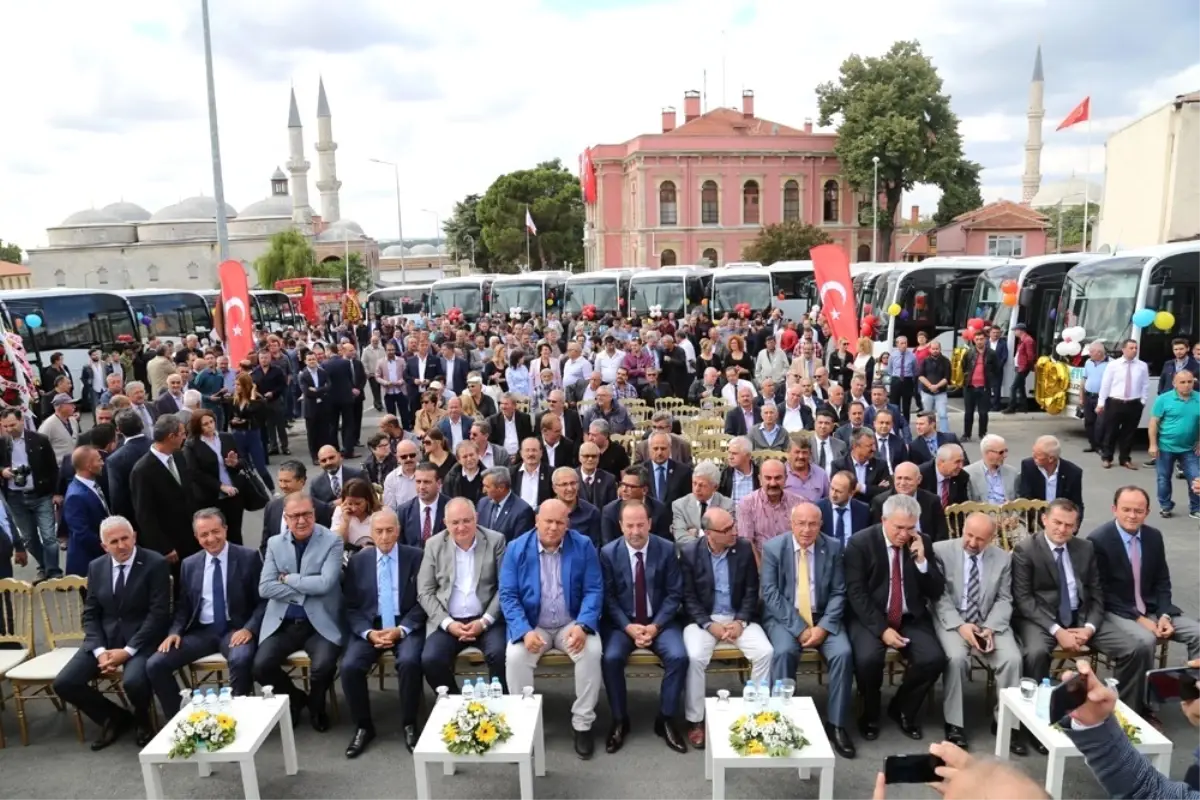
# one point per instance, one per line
(1010, 298)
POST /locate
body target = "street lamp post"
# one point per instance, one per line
(215, 140)
(875, 213)
(399, 220)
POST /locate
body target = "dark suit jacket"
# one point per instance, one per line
(958, 484)
(119, 467)
(1167, 378)
(412, 371)
(206, 471)
(664, 582)
(877, 473)
(933, 518)
(860, 517)
(699, 586)
(1116, 574)
(1035, 582)
(273, 518)
(360, 589)
(524, 427)
(164, 506)
(321, 489)
(918, 450)
(411, 523)
(464, 427)
(679, 481)
(44, 475)
(242, 602)
(141, 618)
(516, 516)
(544, 491)
(82, 514)
(610, 520)
(1031, 484)
(315, 399)
(341, 381)
(165, 404)
(735, 420)
(572, 425)
(565, 455)
(602, 491)
(899, 423)
(896, 448)
(461, 368)
(867, 579)
(726, 485)
(993, 371)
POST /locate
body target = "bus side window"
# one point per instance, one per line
(1179, 277)
(926, 282)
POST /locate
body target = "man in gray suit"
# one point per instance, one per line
(826, 448)
(301, 582)
(972, 617)
(689, 510)
(463, 611)
(813, 618)
(990, 480)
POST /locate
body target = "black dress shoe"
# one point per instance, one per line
(362, 738)
(869, 730)
(1090, 450)
(320, 720)
(1016, 744)
(956, 736)
(112, 730)
(1033, 741)
(911, 728)
(840, 739)
(666, 729)
(585, 744)
(616, 736)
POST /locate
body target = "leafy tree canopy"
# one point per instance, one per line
(10, 252)
(288, 256)
(785, 241)
(463, 227)
(960, 193)
(360, 276)
(1072, 224)
(552, 195)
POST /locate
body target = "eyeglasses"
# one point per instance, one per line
(1003, 452)
(407, 457)
(633, 486)
(589, 455)
(721, 531)
(301, 515)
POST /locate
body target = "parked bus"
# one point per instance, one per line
(174, 313)
(472, 296)
(934, 296)
(314, 298)
(862, 282)
(1102, 294)
(405, 300)
(270, 310)
(532, 292)
(734, 284)
(677, 289)
(74, 322)
(795, 288)
(606, 289)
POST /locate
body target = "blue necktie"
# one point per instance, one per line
(218, 596)
(662, 482)
(1064, 591)
(840, 529)
(387, 594)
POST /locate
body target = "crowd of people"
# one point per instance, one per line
(501, 506)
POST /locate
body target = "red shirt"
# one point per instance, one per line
(788, 340)
(1026, 354)
(977, 377)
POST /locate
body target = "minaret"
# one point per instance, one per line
(302, 213)
(1032, 179)
(327, 182)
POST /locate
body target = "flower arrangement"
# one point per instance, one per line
(201, 730)
(1132, 731)
(474, 729)
(767, 733)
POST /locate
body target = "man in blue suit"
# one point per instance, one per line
(552, 596)
(643, 592)
(455, 421)
(499, 509)
(84, 508)
(454, 369)
(425, 514)
(383, 614)
(879, 402)
(804, 595)
(119, 465)
(889, 447)
(842, 515)
(927, 439)
(218, 611)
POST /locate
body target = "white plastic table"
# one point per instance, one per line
(255, 716)
(526, 747)
(719, 755)
(1156, 746)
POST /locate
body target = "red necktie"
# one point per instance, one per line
(945, 493)
(896, 599)
(641, 615)
(427, 528)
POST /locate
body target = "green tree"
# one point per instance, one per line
(1072, 224)
(551, 193)
(960, 193)
(288, 256)
(785, 241)
(360, 276)
(463, 228)
(892, 107)
(10, 252)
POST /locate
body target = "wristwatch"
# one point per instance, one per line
(587, 629)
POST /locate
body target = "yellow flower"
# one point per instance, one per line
(486, 732)
(765, 718)
(449, 731)
(755, 748)
(475, 708)
(225, 721)
(196, 717)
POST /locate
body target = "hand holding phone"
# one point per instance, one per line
(915, 768)
(1068, 696)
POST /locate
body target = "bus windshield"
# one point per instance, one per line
(665, 292)
(752, 289)
(879, 299)
(987, 299)
(269, 308)
(467, 299)
(174, 313)
(529, 297)
(75, 321)
(1102, 301)
(601, 293)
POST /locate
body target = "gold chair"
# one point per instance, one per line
(957, 513)
(671, 404)
(16, 627)
(300, 662)
(1019, 519)
(760, 456)
(711, 454)
(708, 440)
(683, 412)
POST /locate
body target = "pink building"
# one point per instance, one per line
(699, 192)
(1002, 228)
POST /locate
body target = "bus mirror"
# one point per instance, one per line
(1154, 296)
(1027, 296)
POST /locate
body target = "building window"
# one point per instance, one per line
(1006, 245)
(791, 201)
(102, 276)
(864, 252)
(667, 258)
(709, 257)
(668, 208)
(152, 273)
(750, 203)
(60, 278)
(831, 197)
(193, 271)
(709, 204)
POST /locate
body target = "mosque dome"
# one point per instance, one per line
(127, 212)
(394, 251)
(91, 216)
(193, 208)
(1069, 192)
(278, 205)
(342, 230)
(424, 250)
(443, 250)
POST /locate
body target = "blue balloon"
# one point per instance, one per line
(34, 321)
(1143, 317)
(1053, 313)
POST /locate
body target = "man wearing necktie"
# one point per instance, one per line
(669, 480)
(218, 611)
(84, 509)
(1123, 393)
(902, 367)
(842, 513)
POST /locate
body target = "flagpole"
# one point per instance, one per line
(1087, 171)
(528, 263)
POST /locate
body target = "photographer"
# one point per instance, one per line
(29, 474)
(964, 777)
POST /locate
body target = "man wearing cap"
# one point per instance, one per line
(60, 427)
(1024, 356)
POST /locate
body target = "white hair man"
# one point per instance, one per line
(990, 480)
(687, 513)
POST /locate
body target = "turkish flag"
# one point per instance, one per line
(1081, 113)
(831, 266)
(235, 311)
(587, 177)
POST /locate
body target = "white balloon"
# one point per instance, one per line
(1067, 335)
(1074, 348)
(1061, 347)
(1076, 333)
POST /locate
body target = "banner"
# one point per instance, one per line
(238, 333)
(831, 267)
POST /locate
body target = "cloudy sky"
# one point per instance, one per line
(102, 106)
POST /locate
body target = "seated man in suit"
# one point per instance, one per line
(1047, 475)
(907, 480)
(720, 602)
(500, 509)
(990, 480)
(741, 420)
(856, 417)
(552, 597)
(768, 434)
(667, 478)
(425, 514)
(557, 450)
(664, 422)
(463, 609)
(582, 516)
(292, 477)
(739, 476)
(633, 489)
(455, 426)
(643, 593)
(944, 476)
(510, 427)
(125, 615)
(879, 402)
(531, 477)
(595, 485)
(826, 448)
(804, 595)
(687, 513)
(383, 614)
(871, 474)
(890, 579)
(889, 446)
(843, 514)
(1138, 610)
(972, 618)
(218, 611)
(927, 438)
(301, 582)
(84, 509)
(327, 487)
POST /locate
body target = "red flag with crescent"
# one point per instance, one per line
(831, 267)
(235, 307)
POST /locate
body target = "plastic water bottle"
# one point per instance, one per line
(497, 690)
(777, 694)
(468, 690)
(197, 700)
(749, 697)
(210, 701)
(764, 694)
(481, 689)
(1043, 700)
(225, 700)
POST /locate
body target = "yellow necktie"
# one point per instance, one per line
(803, 599)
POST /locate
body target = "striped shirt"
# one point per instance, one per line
(759, 520)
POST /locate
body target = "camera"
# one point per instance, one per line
(20, 475)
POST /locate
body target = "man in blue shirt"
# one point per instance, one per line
(1093, 374)
(902, 367)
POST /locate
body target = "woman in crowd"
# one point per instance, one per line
(519, 381)
(465, 478)
(707, 358)
(430, 414)
(352, 517)
(247, 416)
(494, 371)
(739, 358)
(437, 453)
(380, 460)
(864, 360)
(213, 460)
(841, 365)
(881, 371)
(546, 360)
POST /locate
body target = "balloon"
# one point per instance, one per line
(1164, 320)
(894, 310)
(1061, 348)
(1010, 298)
(33, 321)
(866, 308)
(1009, 286)
(146, 319)
(1077, 333)
(1143, 317)
(550, 301)
(1074, 348)
(904, 314)
(975, 322)
(703, 301)
(780, 296)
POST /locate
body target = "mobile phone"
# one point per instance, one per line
(915, 768)
(1068, 696)
(982, 643)
(1172, 683)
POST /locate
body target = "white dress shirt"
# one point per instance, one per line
(922, 568)
(608, 365)
(645, 566)
(1112, 385)
(511, 443)
(1051, 483)
(1072, 589)
(552, 453)
(398, 488)
(792, 421)
(464, 602)
(456, 435)
(579, 369)
(421, 367)
(529, 486)
(206, 590)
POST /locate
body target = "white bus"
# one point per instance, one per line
(74, 322)
(405, 300)
(537, 292)
(734, 284)
(174, 313)
(794, 287)
(934, 296)
(862, 279)
(673, 289)
(1102, 294)
(270, 309)
(606, 289)
(471, 295)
